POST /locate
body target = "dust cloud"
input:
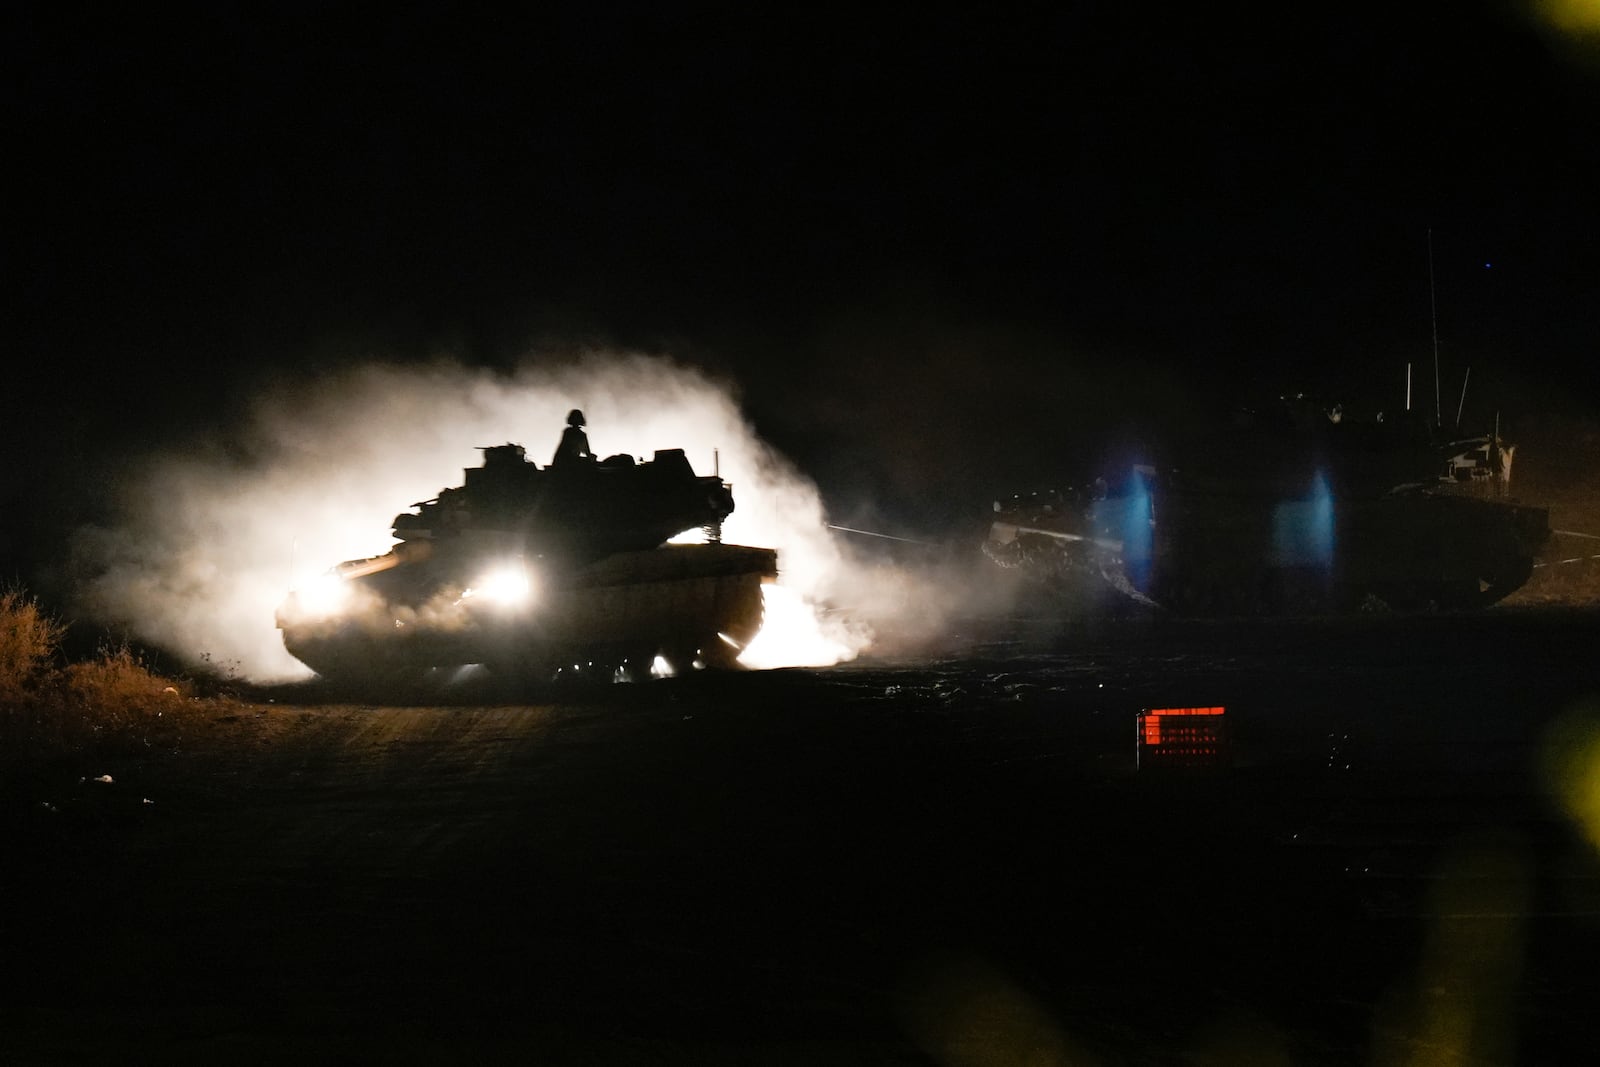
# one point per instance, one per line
(210, 540)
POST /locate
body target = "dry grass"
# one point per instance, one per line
(112, 703)
(119, 692)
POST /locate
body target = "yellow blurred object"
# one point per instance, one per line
(1461, 1008)
(1571, 16)
(964, 1012)
(1571, 767)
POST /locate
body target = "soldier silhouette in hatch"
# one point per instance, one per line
(574, 447)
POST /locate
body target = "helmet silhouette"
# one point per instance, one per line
(575, 418)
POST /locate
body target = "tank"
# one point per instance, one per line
(1287, 510)
(539, 572)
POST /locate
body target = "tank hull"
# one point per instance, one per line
(1288, 507)
(1207, 553)
(1407, 552)
(674, 608)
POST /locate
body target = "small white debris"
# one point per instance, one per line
(147, 800)
(104, 779)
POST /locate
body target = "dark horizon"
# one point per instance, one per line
(930, 255)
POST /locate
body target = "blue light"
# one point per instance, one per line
(1302, 534)
(1137, 533)
(1322, 520)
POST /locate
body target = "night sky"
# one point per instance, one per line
(932, 251)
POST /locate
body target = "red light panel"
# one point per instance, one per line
(1152, 731)
(1182, 737)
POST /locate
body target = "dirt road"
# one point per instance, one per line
(946, 860)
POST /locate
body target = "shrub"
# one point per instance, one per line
(28, 642)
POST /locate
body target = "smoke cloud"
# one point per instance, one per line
(212, 539)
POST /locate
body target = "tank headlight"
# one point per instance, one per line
(324, 595)
(508, 586)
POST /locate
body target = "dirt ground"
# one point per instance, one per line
(954, 858)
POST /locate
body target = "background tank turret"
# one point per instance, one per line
(537, 571)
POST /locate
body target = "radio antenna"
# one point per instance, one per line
(1433, 307)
